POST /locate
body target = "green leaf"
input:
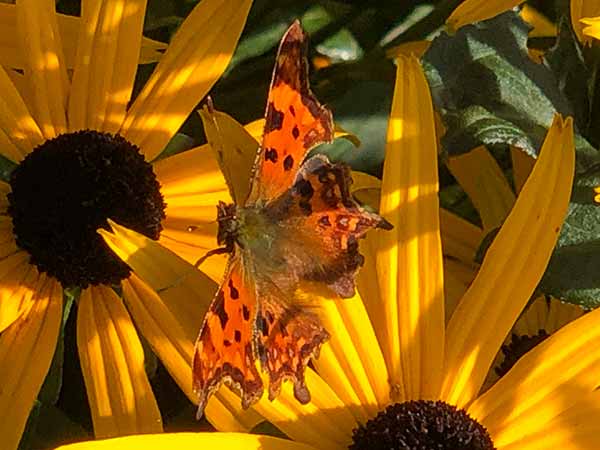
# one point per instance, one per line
(178, 143)
(572, 273)
(487, 88)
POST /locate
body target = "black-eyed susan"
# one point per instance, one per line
(544, 316)
(393, 374)
(83, 154)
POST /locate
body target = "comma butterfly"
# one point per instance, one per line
(298, 222)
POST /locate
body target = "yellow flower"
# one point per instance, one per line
(585, 12)
(83, 154)
(390, 346)
(544, 316)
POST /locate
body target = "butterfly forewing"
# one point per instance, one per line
(295, 121)
(225, 347)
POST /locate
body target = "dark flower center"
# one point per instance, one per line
(422, 425)
(65, 189)
(519, 345)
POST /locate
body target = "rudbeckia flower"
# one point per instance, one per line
(393, 375)
(82, 154)
(544, 316)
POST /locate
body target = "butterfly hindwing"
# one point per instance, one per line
(323, 223)
(295, 121)
(288, 337)
(225, 349)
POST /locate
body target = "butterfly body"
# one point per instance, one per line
(297, 223)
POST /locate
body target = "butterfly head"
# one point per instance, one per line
(228, 224)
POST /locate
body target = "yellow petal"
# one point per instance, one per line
(235, 150)
(417, 48)
(576, 428)
(44, 66)
(592, 29)
(368, 286)
(352, 362)
(547, 381)
(26, 350)
(15, 120)
(192, 185)
(482, 179)
(163, 271)
(106, 63)
(191, 441)
(460, 238)
(196, 58)
(470, 11)
(522, 165)
(325, 422)
(409, 263)
(68, 27)
(172, 338)
(513, 266)
(18, 283)
(581, 9)
(112, 361)
(542, 27)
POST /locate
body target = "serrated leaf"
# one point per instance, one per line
(487, 88)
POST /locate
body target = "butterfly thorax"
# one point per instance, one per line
(245, 226)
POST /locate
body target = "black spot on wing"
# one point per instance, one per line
(245, 312)
(304, 188)
(324, 221)
(271, 155)
(295, 132)
(292, 110)
(288, 163)
(233, 292)
(219, 309)
(237, 335)
(274, 119)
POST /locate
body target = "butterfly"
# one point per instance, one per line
(298, 222)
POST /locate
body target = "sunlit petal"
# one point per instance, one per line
(26, 350)
(197, 56)
(112, 361)
(471, 11)
(513, 265)
(191, 441)
(547, 381)
(409, 263)
(106, 63)
(18, 283)
(68, 27)
(44, 65)
(15, 120)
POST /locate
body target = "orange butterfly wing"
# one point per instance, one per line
(295, 121)
(288, 337)
(322, 223)
(225, 350)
